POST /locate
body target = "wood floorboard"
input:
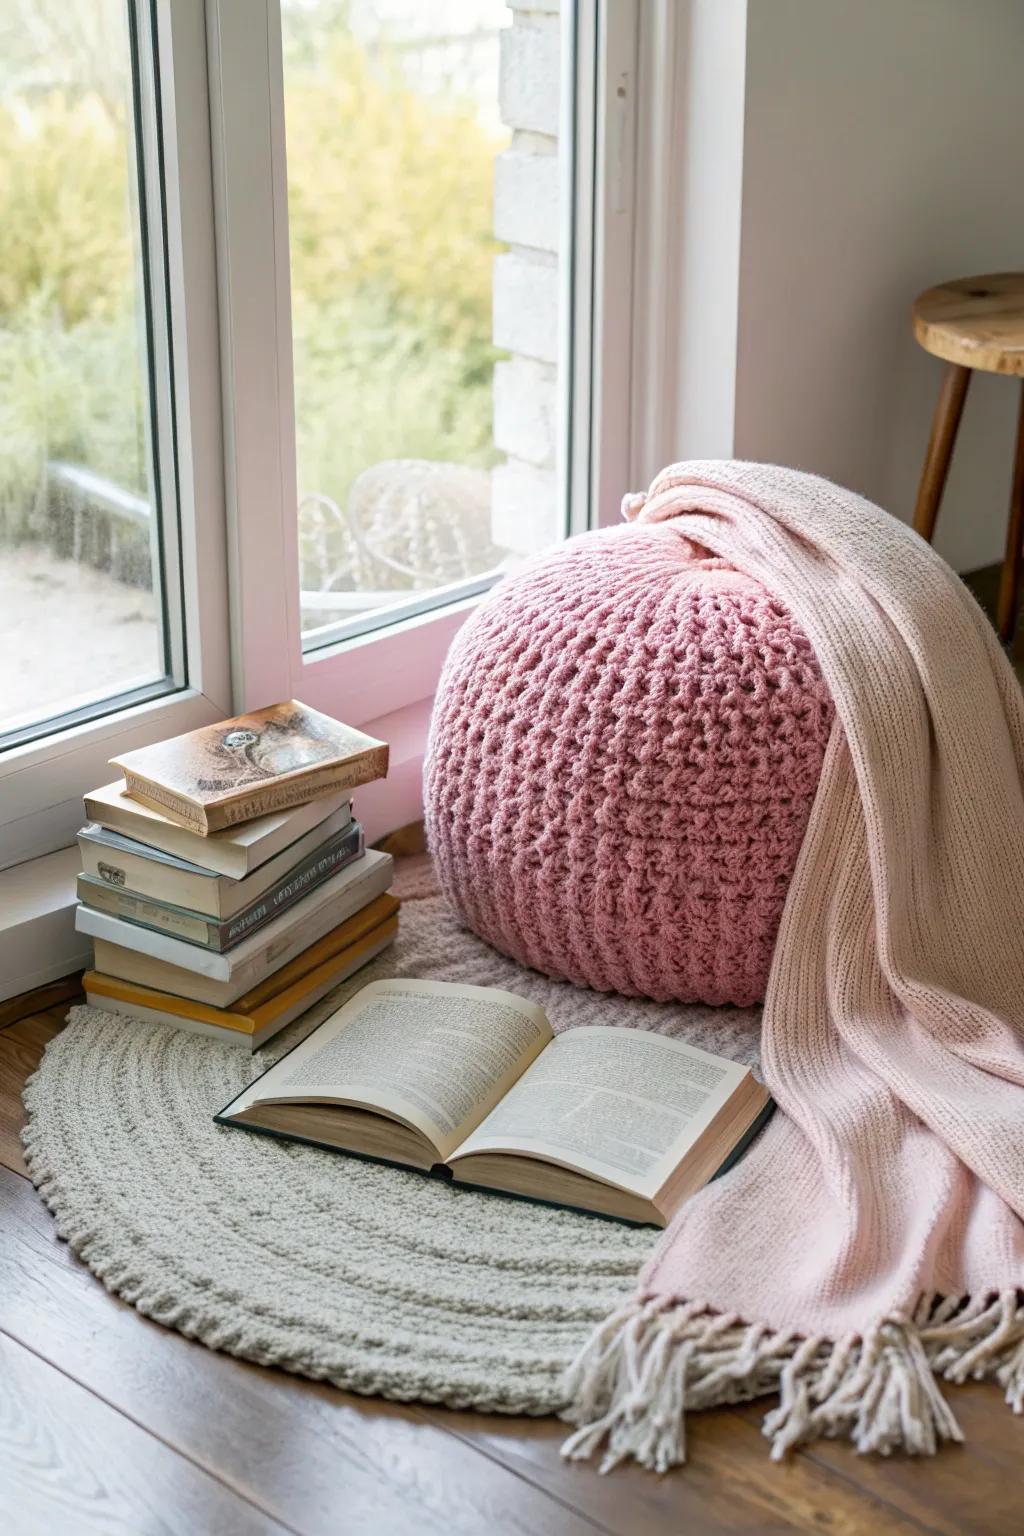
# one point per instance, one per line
(728, 1487)
(66, 991)
(21, 1049)
(974, 1487)
(306, 1453)
(69, 1463)
(298, 1455)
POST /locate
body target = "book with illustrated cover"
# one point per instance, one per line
(474, 1081)
(159, 960)
(245, 767)
(222, 934)
(127, 865)
(265, 1010)
(234, 852)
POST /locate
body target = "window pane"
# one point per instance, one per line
(423, 202)
(80, 584)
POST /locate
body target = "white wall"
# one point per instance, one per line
(710, 82)
(883, 142)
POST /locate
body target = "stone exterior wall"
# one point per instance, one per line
(524, 496)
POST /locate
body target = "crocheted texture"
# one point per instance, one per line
(376, 1279)
(871, 1241)
(625, 748)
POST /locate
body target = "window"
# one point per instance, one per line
(90, 589)
(396, 218)
(424, 191)
(113, 565)
(334, 307)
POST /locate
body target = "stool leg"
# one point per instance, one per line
(945, 422)
(1009, 584)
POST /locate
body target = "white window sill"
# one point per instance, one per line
(38, 942)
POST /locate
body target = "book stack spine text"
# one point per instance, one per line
(235, 919)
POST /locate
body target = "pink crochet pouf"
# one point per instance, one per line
(626, 742)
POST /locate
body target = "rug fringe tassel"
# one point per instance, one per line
(653, 1360)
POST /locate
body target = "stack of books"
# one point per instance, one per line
(225, 882)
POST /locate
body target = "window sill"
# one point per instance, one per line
(379, 674)
(42, 783)
(38, 942)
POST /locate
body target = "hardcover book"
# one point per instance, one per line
(129, 866)
(474, 1083)
(235, 852)
(222, 934)
(253, 764)
(260, 1013)
(170, 965)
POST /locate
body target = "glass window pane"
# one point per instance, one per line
(80, 583)
(424, 216)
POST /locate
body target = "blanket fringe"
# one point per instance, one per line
(654, 1359)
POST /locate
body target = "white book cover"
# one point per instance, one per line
(270, 948)
(125, 864)
(236, 851)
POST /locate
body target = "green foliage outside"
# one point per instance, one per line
(390, 211)
(69, 384)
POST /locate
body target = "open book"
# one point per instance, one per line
(428, 1073)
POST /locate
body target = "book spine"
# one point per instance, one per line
(208, 933)
(227, 976)
(331, 972)
(281, 796)
(376, 910)
(317, 867)
(374, 881)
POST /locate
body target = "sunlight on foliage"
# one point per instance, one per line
(67, 332)
(390, 209)
(390, 213)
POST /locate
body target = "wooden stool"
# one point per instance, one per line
(975, 322)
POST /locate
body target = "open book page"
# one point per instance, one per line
(435, 1055)
(616, 1103)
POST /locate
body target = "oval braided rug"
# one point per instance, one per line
(376, 1279)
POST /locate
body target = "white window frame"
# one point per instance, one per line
(385, 674)
(42, 781)
(221, 101)
(598, 311)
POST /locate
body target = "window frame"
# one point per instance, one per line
(42, 780)
(395, 666)
(221, 109)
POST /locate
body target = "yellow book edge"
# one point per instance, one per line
(346, 933)
(100, 985)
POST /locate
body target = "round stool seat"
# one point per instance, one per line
(975, 322)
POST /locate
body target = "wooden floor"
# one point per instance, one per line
(110, 1423)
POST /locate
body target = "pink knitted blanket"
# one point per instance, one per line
(871, 1241)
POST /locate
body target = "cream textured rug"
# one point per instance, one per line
(378, 1280)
